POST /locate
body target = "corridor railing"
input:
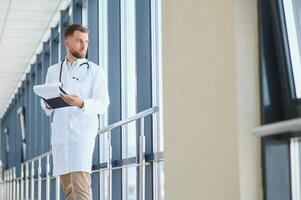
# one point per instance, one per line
(23, 187)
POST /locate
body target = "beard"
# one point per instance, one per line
(77, 55)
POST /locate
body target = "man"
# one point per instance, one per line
(74, 127)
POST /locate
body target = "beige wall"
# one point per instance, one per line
(211, 103)
(247, 83)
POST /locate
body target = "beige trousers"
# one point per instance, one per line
(77, 185)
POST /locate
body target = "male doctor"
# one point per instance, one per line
(74, 128)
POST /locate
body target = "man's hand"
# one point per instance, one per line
(47, 105)
(73, 100)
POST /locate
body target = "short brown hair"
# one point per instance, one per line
(74, 27)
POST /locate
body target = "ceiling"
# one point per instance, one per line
(24, 26)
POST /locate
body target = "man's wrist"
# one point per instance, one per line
(81, 104)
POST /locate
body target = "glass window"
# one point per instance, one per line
(5, 131)
(157, 74)
(59, 42)
(20, 113)
(295, 168)
(85, 13)
(293, 24)
(158, 169)
(128, 71)
(103, 62)
(70, 13)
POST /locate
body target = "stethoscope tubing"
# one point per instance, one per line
(61, 69)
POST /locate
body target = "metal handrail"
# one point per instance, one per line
(10, 174)
(292, 125)
(37, 157)
(128, 120)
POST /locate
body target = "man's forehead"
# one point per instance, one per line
(80, 34)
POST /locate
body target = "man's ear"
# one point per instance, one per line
(66, 43)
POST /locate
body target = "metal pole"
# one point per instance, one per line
(110, 166)
(57, 189)
(9, 185)
(22, 182)
(99, 160)
(26, 181)
(32, 180)
(18, 189)
(47, 179)
(14, 183)
(39, 180)
(5, 185)
(142, 161)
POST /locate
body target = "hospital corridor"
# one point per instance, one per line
(150, 100)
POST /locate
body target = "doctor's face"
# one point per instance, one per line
(77, 44)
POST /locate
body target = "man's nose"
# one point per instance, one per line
(84, 45)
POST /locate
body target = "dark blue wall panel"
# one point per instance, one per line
(54, 45)
(63, 25)
(77, 11)
(39, 112)
(114, 71)
(27, 115)
(33, 114)
(93, 52)
(45, 119)
(93, 55)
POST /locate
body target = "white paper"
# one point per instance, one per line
(48, 91)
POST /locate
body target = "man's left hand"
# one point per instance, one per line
(73, 100)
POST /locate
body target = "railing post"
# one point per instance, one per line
(110, 166)
(156, 148)
(32, 180)
(14, 183)
(5, 185)
(102, 181)
(18, 188)
(22, 182)
(26, 181)
(57, 188)
(142, 161)
(39, 180)
(47, 178)
(9, 185)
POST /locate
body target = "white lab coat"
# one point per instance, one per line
(73, 129)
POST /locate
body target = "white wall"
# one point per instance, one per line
(211, 99)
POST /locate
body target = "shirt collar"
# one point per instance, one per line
(76, 62)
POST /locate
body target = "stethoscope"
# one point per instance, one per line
(73, 77)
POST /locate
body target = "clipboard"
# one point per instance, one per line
(50, 93)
